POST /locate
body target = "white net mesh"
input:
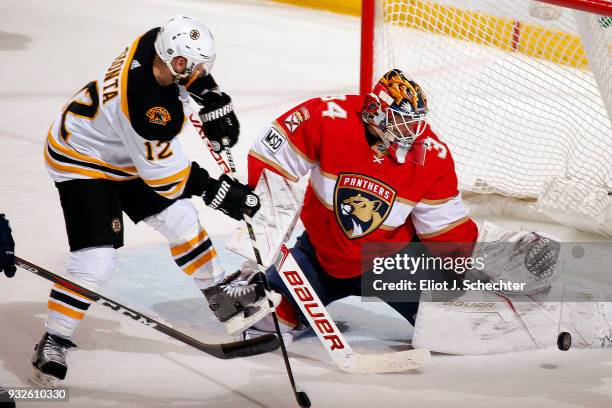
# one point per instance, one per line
(524, 103)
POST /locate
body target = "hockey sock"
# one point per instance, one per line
(197, 258)
(66, 310)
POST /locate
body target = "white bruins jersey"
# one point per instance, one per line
(122, 126)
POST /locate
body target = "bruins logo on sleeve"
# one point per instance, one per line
(361, 204)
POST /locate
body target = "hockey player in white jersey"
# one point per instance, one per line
(113, 149)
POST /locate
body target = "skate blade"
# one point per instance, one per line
(240, 323)
(43, 380)
(252, 333)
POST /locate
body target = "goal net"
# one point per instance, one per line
(520, 90)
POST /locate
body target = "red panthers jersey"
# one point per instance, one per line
(357, 192)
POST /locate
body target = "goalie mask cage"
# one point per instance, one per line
(520, 90)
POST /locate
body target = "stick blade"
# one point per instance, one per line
(388, 362)
(302, 399)
(250, 347)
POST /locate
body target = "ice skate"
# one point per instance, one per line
(49, 360)
(230, 298)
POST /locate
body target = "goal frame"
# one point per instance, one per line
(368, 19)
(580, 202)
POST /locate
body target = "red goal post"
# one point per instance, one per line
(520, 90)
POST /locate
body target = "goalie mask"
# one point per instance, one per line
(185, 37)
(397, 108)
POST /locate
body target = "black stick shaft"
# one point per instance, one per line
(221, 350)
(300, 396)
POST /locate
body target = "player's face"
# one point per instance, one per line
(201, 69)
(179, 64)
(405, 127)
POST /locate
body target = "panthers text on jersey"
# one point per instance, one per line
(357, 193)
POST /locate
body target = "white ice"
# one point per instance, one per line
(270, 57)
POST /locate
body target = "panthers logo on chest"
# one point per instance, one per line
(361, 204)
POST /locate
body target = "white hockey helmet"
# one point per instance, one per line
(186, 37)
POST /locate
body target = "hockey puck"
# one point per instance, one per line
(302, 399)
(564, 341)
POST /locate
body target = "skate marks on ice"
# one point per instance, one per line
(148, 280)
(13, 41)
(99, 369)
(136, 367)
(116, 363)
(24, 322)
(373, 326)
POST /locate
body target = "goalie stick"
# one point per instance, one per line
(236, 349)
(300, 396)
(330, 336)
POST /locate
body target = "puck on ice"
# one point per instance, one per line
(564, 341)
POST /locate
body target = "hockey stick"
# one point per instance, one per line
(258, 345)
(300, 396)
(330, 336)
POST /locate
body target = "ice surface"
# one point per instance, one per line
(270, 57)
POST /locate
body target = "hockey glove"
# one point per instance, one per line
(7, 248)
(218, 118)
(231, 197)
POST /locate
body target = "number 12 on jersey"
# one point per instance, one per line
(159, 152)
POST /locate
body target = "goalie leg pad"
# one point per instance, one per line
(489, 322)
(275, 220)
(527, 257)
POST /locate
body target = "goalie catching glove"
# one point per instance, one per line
(218, 118)
(231, 197)
(526, 257)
